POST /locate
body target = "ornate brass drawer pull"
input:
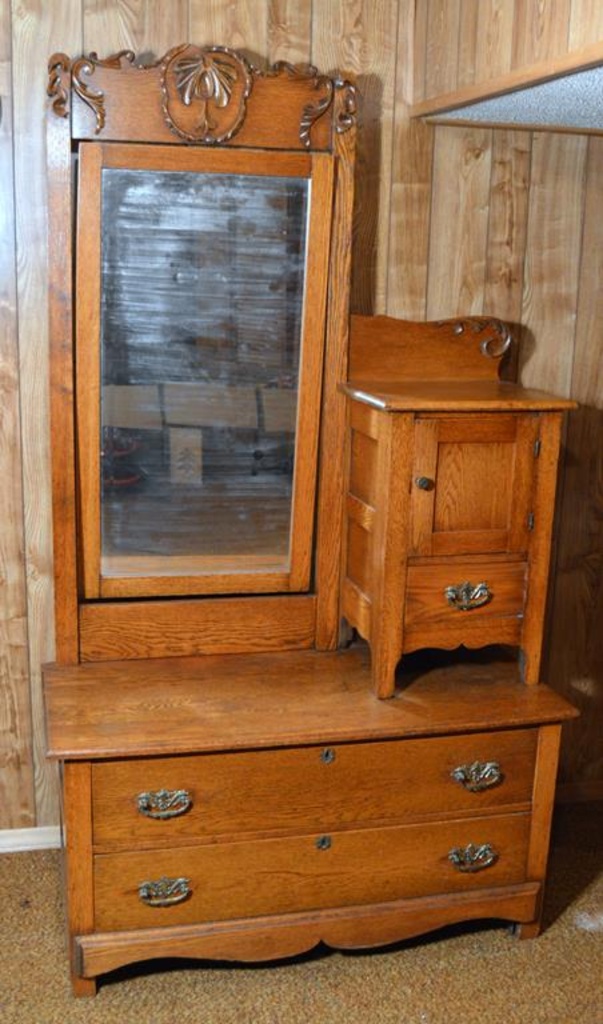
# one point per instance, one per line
(164, 803)
(465, 596)
(164, 892)
(478, 776)
(473, 858)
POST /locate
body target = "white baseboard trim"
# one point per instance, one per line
(17, 840)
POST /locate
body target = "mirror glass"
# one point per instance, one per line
(201, 322)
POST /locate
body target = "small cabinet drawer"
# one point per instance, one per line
(222, 881)
(454, 602)
(307, 788)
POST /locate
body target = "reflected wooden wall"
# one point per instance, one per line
(449, 220)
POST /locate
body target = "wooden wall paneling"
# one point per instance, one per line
(586, 23)
(37, 31)
(494, 39)
(17, 804)
(415, 40)
(587, 373)
(242, 25)
(459, 221)
(441, 51)
(540, 30)
(289, 31)
(553, 260)
(468, 44)
(575, 662)
(410, 193)
(507, 230)
(148, 27)
(359, 38)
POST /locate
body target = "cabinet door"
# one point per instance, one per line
(201, 280)
(472, 484)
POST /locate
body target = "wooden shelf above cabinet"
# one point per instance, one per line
(456, 396)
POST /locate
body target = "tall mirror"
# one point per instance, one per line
(197, 330)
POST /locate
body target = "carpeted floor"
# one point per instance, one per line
(464, 975)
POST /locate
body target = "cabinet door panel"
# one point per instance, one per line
(472, 484)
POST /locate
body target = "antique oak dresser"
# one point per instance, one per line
(264, 521)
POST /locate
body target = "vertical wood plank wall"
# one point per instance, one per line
(448, 221)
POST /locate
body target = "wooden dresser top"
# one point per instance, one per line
(228, 702)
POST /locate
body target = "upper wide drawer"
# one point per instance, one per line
(318, 787)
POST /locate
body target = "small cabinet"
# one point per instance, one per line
(450, 495)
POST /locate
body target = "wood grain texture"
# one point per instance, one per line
(540, 30)
(38, 31)
(156, 629)
(459, 221)
(507, 224)
(120, 708)
(242, 26)
(274, 937)
(494, 38)
(586, 23)
(442, 47)
(77, 803)
(551, 274)
(282, 875)
(410, 185)
(147, 27)
(306, 789)
(469, 43)
(17, 805)
(289, 30)
(574, 653)
(360, 38)
(575, 658)
(284, 30)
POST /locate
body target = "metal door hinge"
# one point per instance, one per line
(531, 520)
(537, 447)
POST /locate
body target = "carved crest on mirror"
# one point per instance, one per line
(203, 91)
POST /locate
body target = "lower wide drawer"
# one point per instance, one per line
(223, 881)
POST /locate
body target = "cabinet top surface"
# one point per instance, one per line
(453, 396)
(209, 703)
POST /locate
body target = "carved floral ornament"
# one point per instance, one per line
(204, 91)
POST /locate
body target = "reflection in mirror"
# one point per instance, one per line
(201, 319)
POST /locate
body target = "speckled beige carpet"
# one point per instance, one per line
(459, 976)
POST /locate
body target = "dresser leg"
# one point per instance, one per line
(83, 986)
(527, 930)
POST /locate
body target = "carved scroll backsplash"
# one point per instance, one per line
(497, 336)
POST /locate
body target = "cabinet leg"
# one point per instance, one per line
(383, 670)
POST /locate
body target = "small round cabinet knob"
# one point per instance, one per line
(424, 483)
